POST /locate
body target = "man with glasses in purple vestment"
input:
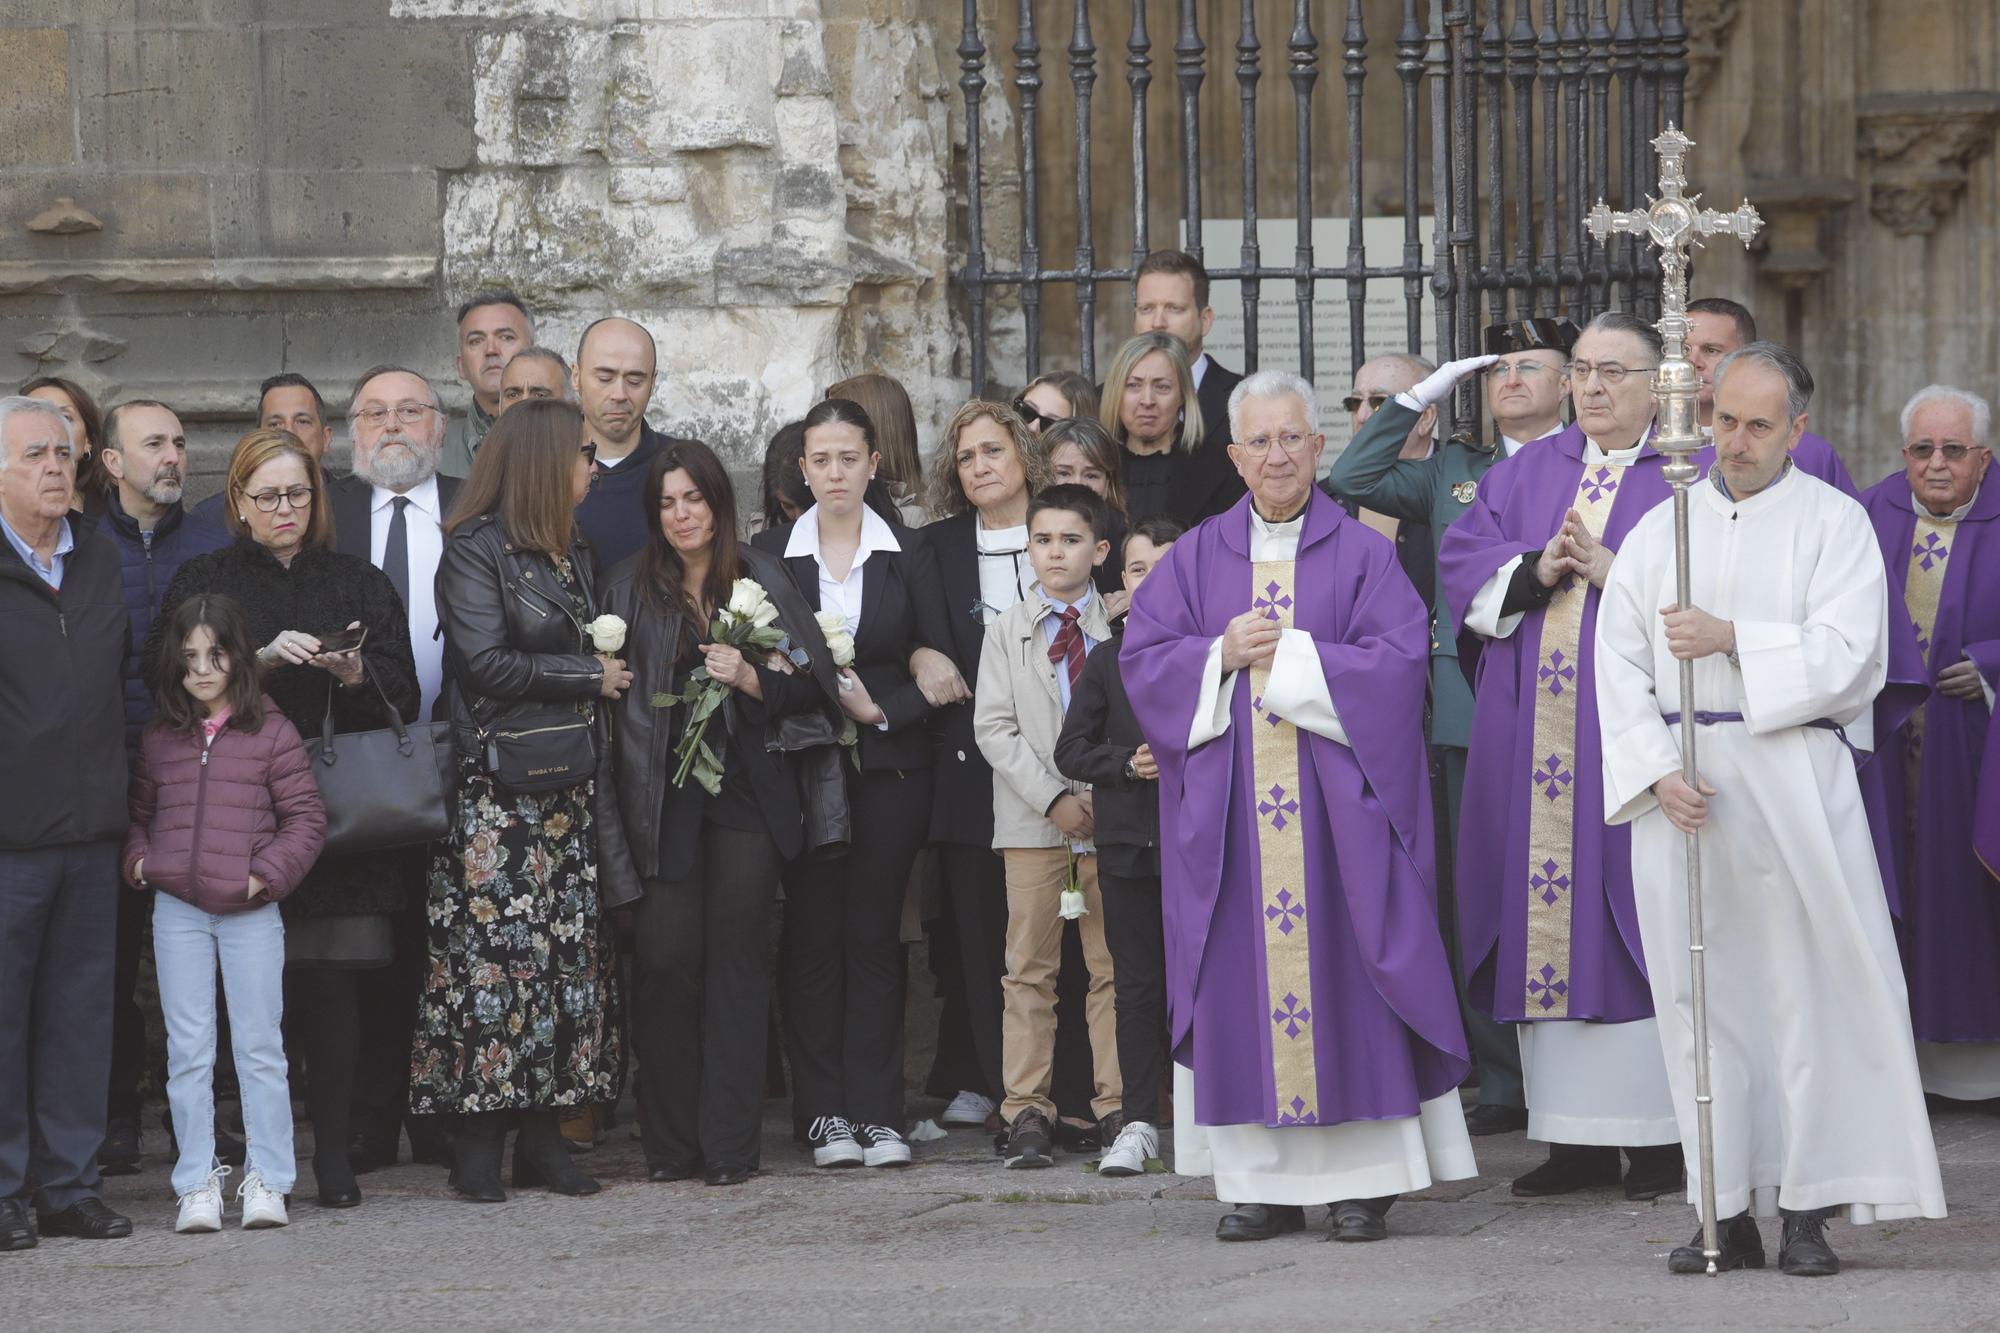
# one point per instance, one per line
(1276, 662)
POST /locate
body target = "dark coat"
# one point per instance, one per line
(207, 816)
(150, 561)
(962, 798)
(514, 645)
(62, 659)
(320, 592)
(902, 609)
(352, 498)
(1100, 734)
(615, 516)
(1206, 483)
(797, 769)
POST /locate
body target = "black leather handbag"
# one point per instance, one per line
(549, 750)
(386, 788)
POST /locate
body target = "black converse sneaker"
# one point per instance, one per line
(833, 1142)
(883, 1146)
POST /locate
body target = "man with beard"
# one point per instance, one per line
(145, 454)
(392, 512)
(492, 326)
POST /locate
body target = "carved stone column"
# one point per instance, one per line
(1921, 144)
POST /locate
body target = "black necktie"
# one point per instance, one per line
(396, 551)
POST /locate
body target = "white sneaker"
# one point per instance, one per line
(834, 1143)
(202, 1210)
(262, 1205)
(884, 1146)
(1127, 1155)
(968, 1108)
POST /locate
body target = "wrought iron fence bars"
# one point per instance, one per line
(1028, 79)
(1354, 69)
(1083, 78)
(1304, 60)
(1249, 70)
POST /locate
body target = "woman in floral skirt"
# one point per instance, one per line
(518, 1010)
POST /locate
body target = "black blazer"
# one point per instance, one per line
(350, 496)
(902, 609)
(962, 799)
(1100, 733)
(1206, 483)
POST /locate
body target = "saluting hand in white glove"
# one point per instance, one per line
(1435, 387)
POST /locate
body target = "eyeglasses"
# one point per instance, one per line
(1528, 371)
(1037, 419)
(1259, 445)
(298, 497)
(1609, 372)
(1953, 452)
(1352, 403)
(409, 414)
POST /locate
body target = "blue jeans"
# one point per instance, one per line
(188, 944)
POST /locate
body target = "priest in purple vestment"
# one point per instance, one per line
(1717, 327)
(1276, 661)
(1939, 528)
(1547, 927)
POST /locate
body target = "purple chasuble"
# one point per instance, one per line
(1948, 574)
(1378, 1032)
(1510, 963)
(1986, 813)
(1812, 455)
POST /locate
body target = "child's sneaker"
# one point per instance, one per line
(1128, 1153)
(968, 1108)
(262, 1205)
(202, 1209)
(1028, 1143)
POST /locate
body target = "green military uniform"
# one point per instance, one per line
(1436, 490)
(462, 437)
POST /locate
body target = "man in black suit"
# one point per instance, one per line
(391, 512)
(1170, 295)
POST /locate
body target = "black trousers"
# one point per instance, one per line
(842, 966)
(128, 1021)
(1133, 933)
(975, 879)
(701, 984)
(388, 1016)
(1495, 1048)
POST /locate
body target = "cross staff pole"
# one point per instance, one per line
(1675, 222)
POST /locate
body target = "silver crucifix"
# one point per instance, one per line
(1676, 222)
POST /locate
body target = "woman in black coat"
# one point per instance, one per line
(875, 587)
(704, 868)
(296, 592)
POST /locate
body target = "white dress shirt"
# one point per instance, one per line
(1006, 575)
(841, 594)
(423, 521)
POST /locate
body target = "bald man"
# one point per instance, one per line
(1380, 379)
(616, 369)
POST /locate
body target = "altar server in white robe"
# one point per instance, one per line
(1817, 1104)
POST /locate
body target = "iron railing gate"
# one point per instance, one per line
(1547, 106)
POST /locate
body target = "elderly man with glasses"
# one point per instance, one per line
(1547, 927)
(1939, 530)
(1525, 375)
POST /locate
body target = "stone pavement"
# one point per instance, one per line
(956, 1242)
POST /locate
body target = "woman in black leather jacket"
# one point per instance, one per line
(518, 1016)
(710, 865)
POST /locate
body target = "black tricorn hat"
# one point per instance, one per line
(1527, 335)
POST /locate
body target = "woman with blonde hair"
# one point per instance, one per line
(1149, 408)
(1056, 396)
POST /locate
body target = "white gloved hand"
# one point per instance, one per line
(1437, 386)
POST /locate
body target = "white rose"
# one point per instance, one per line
(833, 627)
(765, 614)
(607, 633)
(746, 598)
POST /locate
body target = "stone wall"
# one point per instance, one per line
(199, 193)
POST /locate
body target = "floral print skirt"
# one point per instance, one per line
(519, 1005)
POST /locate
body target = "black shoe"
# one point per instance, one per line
(542, 1158)
(87, 1219)
(367, 1152)
(1076, 1138)
(1804, 1251)
(119, 1155)
(335, 1178)
(671, 1171)
(17, 1226)
(475, 1168)
(1742, 1247)
(725, 1173)
(1571, 1167)
(1260, 1221)
(1028, 1143)
(1359, 1219)
(1483, 1119)
(1655, 1171)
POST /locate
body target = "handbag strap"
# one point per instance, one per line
(326, 719)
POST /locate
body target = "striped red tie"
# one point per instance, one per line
(1068, 645)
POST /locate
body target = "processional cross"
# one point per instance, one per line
(1675, 222)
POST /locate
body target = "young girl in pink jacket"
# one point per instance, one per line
(226, 820)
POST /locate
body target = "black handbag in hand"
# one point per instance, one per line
(386, 788)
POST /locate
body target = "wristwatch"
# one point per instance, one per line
(1131, 771)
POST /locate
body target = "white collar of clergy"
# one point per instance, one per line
(1923, 511)
(1269, 528)
(1718, 489)
(1619, 456)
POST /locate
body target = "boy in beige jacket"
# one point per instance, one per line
(1041, 820)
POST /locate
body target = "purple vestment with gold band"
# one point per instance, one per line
(1307, 983)
(1547, 927)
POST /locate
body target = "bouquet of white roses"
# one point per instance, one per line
(748, 622)
(833, 627)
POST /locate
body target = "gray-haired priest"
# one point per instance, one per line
(1817, 1103)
